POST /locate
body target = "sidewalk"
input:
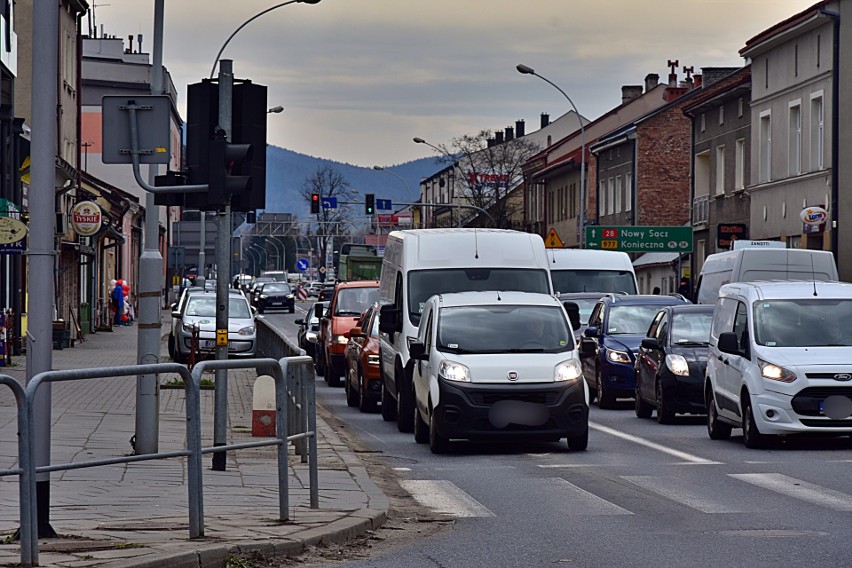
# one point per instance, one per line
(137, 514)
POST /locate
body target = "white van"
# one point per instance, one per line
(780, 360)
(761, 263)
(586, 270)
(420, 263)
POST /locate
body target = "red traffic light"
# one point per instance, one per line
(315, 203)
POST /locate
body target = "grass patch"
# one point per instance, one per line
(177, 383)
(238, 562)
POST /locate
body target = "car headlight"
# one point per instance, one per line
(775, 372)
(340, 339)
(263, 296)
(618, 356)
(289, 296)
(373, 360)
(187, 327)
(311, 336)
(677, 364)
(569, 370)
(454, 371)
(249, 330)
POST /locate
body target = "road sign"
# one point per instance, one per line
(302, 265)
(384, 204)
(329, 203)
(552, 240)
(640, 239)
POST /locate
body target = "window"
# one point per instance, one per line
(628, 192)
(817, 132)
(740, 107)
(700, 210)
(573, 200)
(703, 123)
(720, 170)
(765, 145)
(794, 151)
(721, 115)
(610, 196)
(739, 167)
(618, 195)
(602, 196)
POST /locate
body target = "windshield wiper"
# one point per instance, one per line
(526, 350)
(457, 350)
(344, 313)
(687, 342)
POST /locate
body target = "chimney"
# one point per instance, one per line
(490, 142)
(519, 128)
(697, 81)
(498, 137)
(673, 73)
(130, 49)
(651, 81)
(630, 92)
(139, 42)
(510, 133)
(545, 119)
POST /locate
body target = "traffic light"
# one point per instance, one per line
(315, 203)
(370, 203)
(226, 157)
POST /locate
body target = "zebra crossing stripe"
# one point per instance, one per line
(582, 502)
(686, 497)
(444, 497)
(798, 489)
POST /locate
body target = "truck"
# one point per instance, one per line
(358, 262)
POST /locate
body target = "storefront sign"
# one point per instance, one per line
(726, 233)
(11, 230)
(86, 218)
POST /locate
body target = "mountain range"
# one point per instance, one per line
(287, 172)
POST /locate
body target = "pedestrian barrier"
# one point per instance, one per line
(291, 385)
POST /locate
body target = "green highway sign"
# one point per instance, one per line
(640, 239)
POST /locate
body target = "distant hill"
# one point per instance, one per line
(286, 172)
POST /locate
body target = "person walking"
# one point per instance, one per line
(118, 302)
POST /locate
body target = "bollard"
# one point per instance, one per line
(263, 407)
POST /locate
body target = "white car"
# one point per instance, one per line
(491, 365)
(200, 309)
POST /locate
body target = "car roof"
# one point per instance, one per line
(791, 289)
(690, 308)
(359, 284)
(644, 299)
(491, 297)
(582, 295)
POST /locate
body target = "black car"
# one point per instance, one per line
(273, 295)
(309, 330)
(671, 361)
(326, 292)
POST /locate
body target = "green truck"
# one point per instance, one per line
(358, 262)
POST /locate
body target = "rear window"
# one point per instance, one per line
(569, 281)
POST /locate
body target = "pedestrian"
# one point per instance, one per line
(683, 289)
(656, 290)
(118, 302)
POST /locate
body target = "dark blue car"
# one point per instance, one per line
(610, 342)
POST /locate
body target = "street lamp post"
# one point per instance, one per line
(453, 162)
(523, 69)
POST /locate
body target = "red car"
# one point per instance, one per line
(363, 373)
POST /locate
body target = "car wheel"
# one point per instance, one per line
(364, 404)
(331, 377)
(716, 429)
(751, 435)
(293, 309)
(172, 346)
(405, 410)
(437, 443)
(421, 429)
(351, 395)
(388, 405)
(579, 443)
(605, 398)
(643, 409)
(260, 309)
(664, 413)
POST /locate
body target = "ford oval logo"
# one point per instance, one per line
(513, 375)
(843, 377)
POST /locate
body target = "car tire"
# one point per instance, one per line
(260, 309)
(388, 405)
(605, 399)
(643, 409)
(438, 444)
(365, 404)
(752, 437)
(665, 415)
(332, 378)
(171, 346)
(293, 309)
(579, 443)
(405, 410)
(421, 429)
(351, 396)
(320, 362)
(716, 429)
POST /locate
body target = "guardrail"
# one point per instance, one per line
(294, 381)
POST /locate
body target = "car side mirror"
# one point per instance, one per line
(174, 307)
(650, 343)
(587, 348)
(318, 311)
(299, 321)
(728, 343)
(573, 310)
(356, 332)
(590, 332)
(389, 321)
(176, 314)
(417, 351)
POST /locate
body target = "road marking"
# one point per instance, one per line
(567, 465)
(581, 501)
(666, 488)
(798, 489)
(653, 445)
(443, 497)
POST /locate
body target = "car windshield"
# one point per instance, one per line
(276, 287)
(691, 328)
(504, 329)
(813, 322)
(206, 307)
(353, 301)
(569, 281)
(423, 284)
(630, 319)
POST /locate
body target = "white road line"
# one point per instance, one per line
(581, 501)
(665, 488)
(443, 497)
(653, 445)
(577, 465)
(798, 489)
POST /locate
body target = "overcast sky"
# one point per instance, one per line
(360, 78)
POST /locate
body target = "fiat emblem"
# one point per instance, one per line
(842, 377)
(513, 375)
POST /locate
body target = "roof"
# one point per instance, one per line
(765, 37)
(655, 258)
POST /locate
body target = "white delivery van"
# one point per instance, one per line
(779, 360)
(420, 263)
(585, 270)
(755, 263)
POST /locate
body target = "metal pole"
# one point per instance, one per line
(41, 249)
(202, 250)
(223, 258)
(150, 268)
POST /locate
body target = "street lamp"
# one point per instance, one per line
(250, 20)
(400, 178)
(523, 69)
(452, 160)
(276, 110)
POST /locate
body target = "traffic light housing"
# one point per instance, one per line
(370, 203)
(224, 159)
(315, 203)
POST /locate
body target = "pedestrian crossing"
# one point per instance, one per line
(444, 497)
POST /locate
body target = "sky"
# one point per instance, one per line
(359, 79)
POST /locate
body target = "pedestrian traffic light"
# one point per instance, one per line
(315, 203)
(370, 203)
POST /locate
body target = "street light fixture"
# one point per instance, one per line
(276, 110)
(524, 70)
(400, 178)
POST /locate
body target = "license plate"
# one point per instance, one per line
(277, 303)
(208, 343)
